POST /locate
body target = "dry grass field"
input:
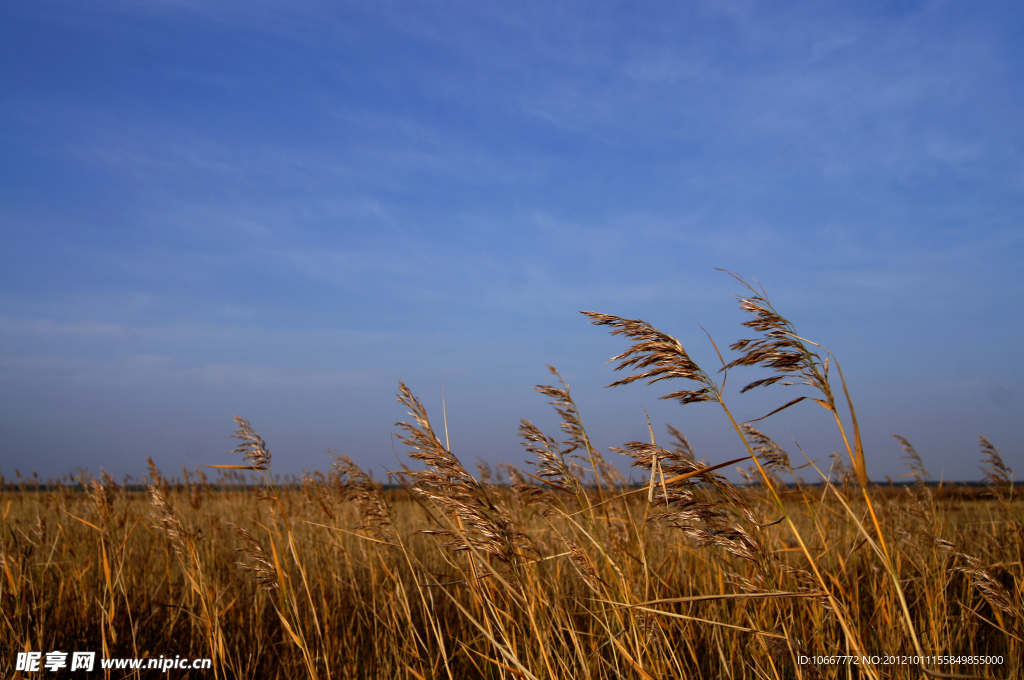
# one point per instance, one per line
(556, 571)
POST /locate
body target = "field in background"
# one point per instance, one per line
(98, 571)
(558, 571)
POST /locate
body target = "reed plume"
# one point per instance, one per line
(375, 515)
(660, 353)
(681, 446)
(572, 425)
(104, 491)
(780, 349)
(483, 527)
(912, 460)
(182, 538)
(550, 458)
(252, 447)
(707, 522)
(990, 588)
(771, 455)
(998, 476)
(257, 560)
(793, 362)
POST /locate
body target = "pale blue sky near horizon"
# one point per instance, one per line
(279, 210)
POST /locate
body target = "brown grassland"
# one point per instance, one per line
(558, 571)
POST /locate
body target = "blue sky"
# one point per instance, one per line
(280, 210)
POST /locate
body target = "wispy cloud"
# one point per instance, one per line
(47, 327)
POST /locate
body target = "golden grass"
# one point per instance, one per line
(562, 572)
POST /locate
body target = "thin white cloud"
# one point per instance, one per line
(163, 372)
(47, 327)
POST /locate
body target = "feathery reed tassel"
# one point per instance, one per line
(790, 357)
(182, 538)
(572, 424)
(252, 448)
(663, 355)
(990, 588)
(584, 566)
(997, 474)
(375, 515)
(781, 349)
(912, 460)
(550, 458)
(771, 455)
(258, 560)
(682, 445)
(484, 526)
